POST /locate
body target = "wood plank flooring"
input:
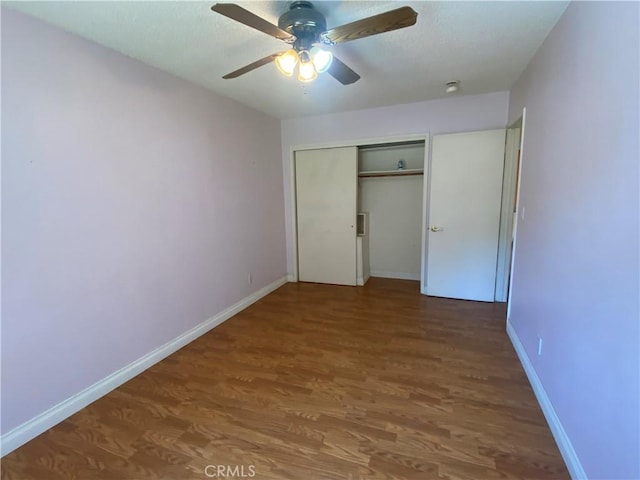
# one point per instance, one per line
(317, 382)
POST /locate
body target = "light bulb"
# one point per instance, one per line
(321, 59)
(287, 62)
(306, 72)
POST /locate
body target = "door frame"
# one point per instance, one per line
(511, 168)
(359, 143)
(518, 212)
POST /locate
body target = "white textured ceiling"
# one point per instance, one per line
(485, 45)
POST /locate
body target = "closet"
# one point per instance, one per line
(359, 212)
(390, 199)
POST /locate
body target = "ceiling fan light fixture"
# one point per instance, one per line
(321, 59)
(303, 27)
(287, 62)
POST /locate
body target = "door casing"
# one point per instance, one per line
(519, 213)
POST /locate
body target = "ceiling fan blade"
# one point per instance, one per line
(239, 14)
(385, 22)
(342, 73)
(251, 66)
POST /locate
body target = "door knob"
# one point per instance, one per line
(435, 228)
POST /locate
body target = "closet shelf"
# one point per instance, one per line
(390, 173)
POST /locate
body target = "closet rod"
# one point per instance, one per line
(395, 173)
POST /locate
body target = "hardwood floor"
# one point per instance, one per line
(317, 382)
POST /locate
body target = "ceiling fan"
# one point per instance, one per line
(305, 29)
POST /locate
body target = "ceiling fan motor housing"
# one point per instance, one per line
(304, 22)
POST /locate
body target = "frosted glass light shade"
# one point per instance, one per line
(321, 59)
(287, 62)
(306, 72)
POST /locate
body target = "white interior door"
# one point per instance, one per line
(326, 195)
(464, 214)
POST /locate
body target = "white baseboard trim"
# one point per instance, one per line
(562, 440)
(44, 421)
(291, 278)
(397, 275)
(362, 281)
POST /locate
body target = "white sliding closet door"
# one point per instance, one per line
(464, 214)
(326, 195)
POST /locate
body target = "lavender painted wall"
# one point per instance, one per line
(134, 206)
(457, 114)
(576, 270)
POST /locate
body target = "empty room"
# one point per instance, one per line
(320, 240)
